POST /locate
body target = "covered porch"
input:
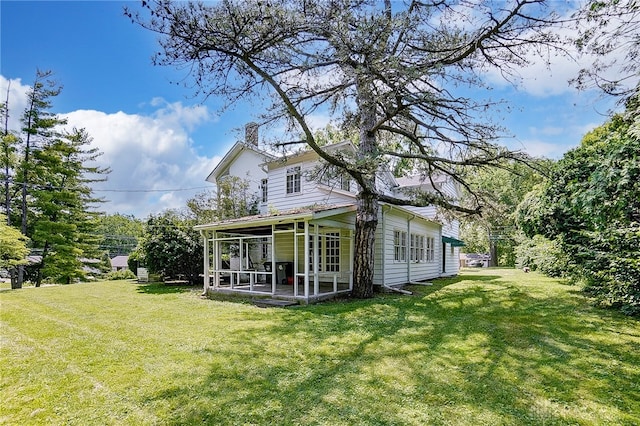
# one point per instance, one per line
(305, 256)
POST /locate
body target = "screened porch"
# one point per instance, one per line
(304, 258)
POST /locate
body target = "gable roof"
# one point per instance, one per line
(119, 261)
(232, 154)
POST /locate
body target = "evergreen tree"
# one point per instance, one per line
(62, 199)
(39, 127)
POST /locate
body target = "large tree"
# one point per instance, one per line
(63, 205)
(609, 32)
(171, 247)
(384, 68)
(591, 205)
(501, 190)
(119, 233)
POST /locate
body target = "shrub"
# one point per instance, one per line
(123, 274)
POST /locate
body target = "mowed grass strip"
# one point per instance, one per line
(495, 347)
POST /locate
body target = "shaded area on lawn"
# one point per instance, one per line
(162, 288)
(477, 349)
(495, 347)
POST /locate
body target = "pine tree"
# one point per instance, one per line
(62, 201)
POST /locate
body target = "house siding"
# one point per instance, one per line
(311, 192)
(388, 270)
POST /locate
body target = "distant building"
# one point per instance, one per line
(119, 263)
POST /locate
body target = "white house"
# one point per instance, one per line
(300, 245)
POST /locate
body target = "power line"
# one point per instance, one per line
(49, 187)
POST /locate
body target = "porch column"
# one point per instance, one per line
(316, 260)
(205, 235)
(295, 260)
(216, 259)
(306, 259)
(273, 259)
(351, 255)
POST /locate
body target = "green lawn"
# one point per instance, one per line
(491, 347)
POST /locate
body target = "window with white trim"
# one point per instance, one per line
(264, 188)
(399, 246)
(430, 249)
(417, 247)
(328, 246)
(332, 251)
(293, 180)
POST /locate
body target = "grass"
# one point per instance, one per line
(491, 347)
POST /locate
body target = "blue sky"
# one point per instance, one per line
(157, 137)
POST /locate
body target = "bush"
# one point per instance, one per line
(123, 274)
(543, 255)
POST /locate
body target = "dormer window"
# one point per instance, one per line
(293, 180)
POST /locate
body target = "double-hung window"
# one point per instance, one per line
(430, 249)
(417, 248)
(293, 180)
(399, 246)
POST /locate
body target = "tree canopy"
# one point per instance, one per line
(13, 245)
(591, 205)
(382, 68)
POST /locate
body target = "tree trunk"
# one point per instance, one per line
(364, 245)
(367, 201)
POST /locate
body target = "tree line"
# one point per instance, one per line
(47, 174)
(397, 75)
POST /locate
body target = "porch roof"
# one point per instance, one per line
(303, 213)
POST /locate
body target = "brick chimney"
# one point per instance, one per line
(251, 133)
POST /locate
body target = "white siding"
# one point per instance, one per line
(311, 192)
(246, 166)
(390, 271)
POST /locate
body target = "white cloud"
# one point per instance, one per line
(152, 158)
(541, 148)
(17, 99)
(149, 155)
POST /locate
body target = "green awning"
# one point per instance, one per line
(453, 242)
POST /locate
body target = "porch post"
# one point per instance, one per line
(216, 259)
(316, 260)
(273, 260)
(205, 235)
(295, 260)
(306, 259)
(351, 254)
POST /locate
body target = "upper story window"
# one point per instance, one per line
(264, 189)
(293, 180)
(336, 178)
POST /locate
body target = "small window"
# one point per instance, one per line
(293, 180)
(399, 246)
(264, 188)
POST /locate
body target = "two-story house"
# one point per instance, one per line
(300, 245)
